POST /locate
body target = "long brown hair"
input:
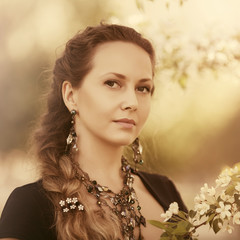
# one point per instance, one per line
(58, 175)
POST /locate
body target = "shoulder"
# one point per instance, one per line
(162, 188)
(31, 196)
(27, 212)
(152, 177)
(31, 190)
(157, 181)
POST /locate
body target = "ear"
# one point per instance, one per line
(68, 95)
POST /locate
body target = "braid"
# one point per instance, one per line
(57, 172)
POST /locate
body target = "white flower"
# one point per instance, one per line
(204, 189)
(62, 203)
(68, 200)
(74, 200)
(167, 215)
(234, 170)
(223, 180)
(65, 210)
(202, 208)
(229, 229)
(236, 218)
(237, 187)
(211, 191)
(174, 208)
(224, 210)
(80, 207)
(226, 198)
(199, 198)
(73, 206)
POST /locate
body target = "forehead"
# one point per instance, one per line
(122, 57)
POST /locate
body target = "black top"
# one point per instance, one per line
(28, 213)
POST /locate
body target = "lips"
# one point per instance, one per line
(125, 122)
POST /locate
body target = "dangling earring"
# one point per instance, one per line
(72, 137)
(137, 153)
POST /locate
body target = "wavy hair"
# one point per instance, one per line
(56, 168)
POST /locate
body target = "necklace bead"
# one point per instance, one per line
(120, 204)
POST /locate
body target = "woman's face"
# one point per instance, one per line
(113, 100)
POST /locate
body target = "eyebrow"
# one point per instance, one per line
(121, 76)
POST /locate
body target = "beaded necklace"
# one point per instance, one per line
(122, 204)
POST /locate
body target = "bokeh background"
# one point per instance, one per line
(194, 128)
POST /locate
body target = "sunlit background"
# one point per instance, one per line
(194, 128)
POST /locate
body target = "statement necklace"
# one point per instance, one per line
(124, 205)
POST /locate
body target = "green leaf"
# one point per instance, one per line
(230, 190)
(182, 228)
(216, 228)
(237, 200)
(192, 213)
(165, 238)
(158, 224)
(182, 214)
(211, 217)
(165, 234)
(235, 177)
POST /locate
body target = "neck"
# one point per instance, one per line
(102, 161)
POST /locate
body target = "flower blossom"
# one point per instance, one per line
(226, 198)
(223, 180)
(74, 200)
(213, 205)
(65, 209)
(199, 198)
(204, 189)
(224, 210)
(237, 187)
(234, 170)
(209, 191)
(202, 208)
(173, 209)
(229, 229)
(62, 203)
(236, 218)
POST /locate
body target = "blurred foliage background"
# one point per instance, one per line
(194, 127)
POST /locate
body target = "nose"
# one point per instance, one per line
(130, 101)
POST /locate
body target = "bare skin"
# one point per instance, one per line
(118, 87)
(127, 95)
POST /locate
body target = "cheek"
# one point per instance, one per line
(144, 111)
(93, 106)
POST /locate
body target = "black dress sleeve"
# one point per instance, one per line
(27, 214)
(162, 189)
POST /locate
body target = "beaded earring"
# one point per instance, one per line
(72, 137)
(137, 152)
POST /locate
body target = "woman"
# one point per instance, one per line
(99, 101)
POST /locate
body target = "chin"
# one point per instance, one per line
(123, 141)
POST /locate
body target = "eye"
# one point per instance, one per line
(112, 83)
(144, 89)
